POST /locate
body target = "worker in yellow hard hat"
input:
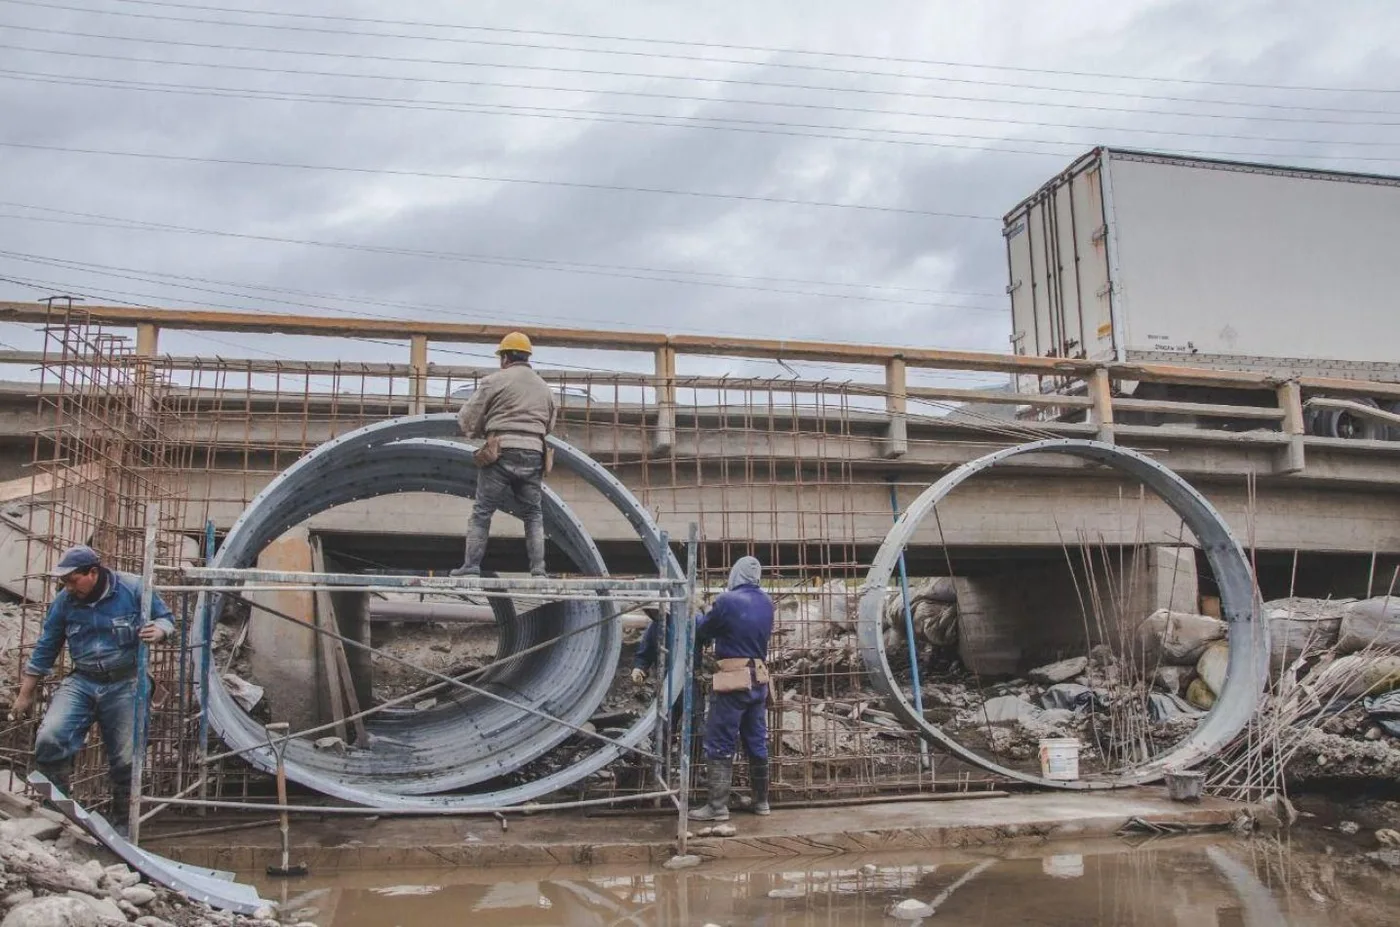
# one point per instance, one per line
(512, 412)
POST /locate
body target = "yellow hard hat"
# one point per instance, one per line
(515, 341)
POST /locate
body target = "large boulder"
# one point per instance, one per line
(52, 911)
(1177, 638)
(1373, 623)
(1214, 666)
(1355, 675)
(1300, 627)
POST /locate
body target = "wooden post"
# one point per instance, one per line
(1102, 395)
(897, 406)
(1290, 400)
(664, 438)
(418, 361)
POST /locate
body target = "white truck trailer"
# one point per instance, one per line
(1135, 256)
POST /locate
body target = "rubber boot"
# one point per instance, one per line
(758, 782)
(475, 553)
(534, 545)
(720, 776)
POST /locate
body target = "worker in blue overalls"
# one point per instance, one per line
(740, 623)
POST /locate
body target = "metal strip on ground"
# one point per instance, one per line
(206, 885)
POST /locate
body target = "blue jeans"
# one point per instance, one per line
(515, 476)
(736, 716)
(78, 702)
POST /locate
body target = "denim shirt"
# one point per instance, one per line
(101, 635)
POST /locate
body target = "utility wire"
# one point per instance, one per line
(539, 46)
(765, 49)
(787, 104)
(744, 82)
(513, 263)
(715, 123)
(121, 222)
(484, 178)
(709, 123)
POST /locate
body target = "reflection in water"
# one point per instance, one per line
(1183, 883)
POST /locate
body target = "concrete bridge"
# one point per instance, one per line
(800, 470)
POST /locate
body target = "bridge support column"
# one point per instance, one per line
(897, 405)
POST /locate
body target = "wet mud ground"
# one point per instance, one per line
(1316, 876)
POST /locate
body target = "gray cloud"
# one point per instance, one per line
(914, 258)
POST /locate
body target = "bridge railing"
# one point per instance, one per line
(1097, 393)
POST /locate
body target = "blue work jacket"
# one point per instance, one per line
(740, 623)
(101, 634)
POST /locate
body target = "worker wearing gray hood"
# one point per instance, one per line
(739, 623)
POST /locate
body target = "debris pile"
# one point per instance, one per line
(1331, 714)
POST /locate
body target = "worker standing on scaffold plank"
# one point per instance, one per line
(740, 623)
(98, 612)
(513, 409)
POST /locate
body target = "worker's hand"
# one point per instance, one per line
(639, 676)
(23, 703)
(152, 634)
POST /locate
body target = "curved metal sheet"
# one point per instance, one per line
(1239, 602)
(214, 889)
(468, 739)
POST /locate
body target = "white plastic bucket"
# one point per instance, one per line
(1059, 758)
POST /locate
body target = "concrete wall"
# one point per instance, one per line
(1033, 612)
(283, 654)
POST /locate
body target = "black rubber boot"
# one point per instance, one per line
(720, 779)
(758, 782)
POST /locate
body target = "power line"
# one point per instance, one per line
(708, 123)
(118, 222)
(596, 72)
(484, 178)
(786, 104)
(455, 311)
(458, 40)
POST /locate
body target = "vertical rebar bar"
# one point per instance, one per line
(687, 648)
(143, 676)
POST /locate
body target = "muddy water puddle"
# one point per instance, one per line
(1179, 882)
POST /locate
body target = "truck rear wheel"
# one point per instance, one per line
(1343, 423)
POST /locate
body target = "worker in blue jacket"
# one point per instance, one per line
(98, 613)
(739, 623)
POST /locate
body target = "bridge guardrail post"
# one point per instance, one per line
(664, 437)
(418, 362)
(1101, 393)
(897, 406)
(1290, 400)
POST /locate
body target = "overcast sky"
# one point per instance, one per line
(941, 115)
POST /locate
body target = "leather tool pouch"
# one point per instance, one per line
(740, 674)
(489, 452)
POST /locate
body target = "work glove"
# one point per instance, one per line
(639, 676)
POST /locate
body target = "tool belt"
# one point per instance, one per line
(739, 674)
(490, 451)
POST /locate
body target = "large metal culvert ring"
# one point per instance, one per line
(1239, 604)
(468, 739)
